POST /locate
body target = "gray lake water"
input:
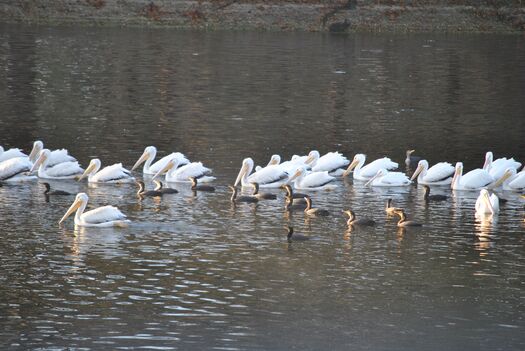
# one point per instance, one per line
(193, 272)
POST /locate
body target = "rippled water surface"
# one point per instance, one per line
(193, 272)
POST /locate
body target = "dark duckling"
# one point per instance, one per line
(160, 187)
(48, 191)
(294, 236)
(142, 192)
(196, 187)
(429, 197)
(262, 196)
(403, 222)
(242, 198)
(311, 211)
(352, 220)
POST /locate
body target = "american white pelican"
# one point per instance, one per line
(510, 180)
(63, 170)
(16, 170)
(496, 168)
(9, 154)
(312, 180)
(272, 176)
(106, 216)
(149, 155)
(385, 178)
(473, 180)
(55, 156)
(439, 174)
(370, 170)
(183, 174)
(274, 160)
(333, 162)
(110, 174)
(487, 204)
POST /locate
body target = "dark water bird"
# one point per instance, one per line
(196, 187)
(389, 208)
(311, 211)
(403, 222)
(142, 192)
(292, 205)
(262, 196)
(291, 236)
(352, 220)
(411, 161)
(242, 198)
(160, 187)
(297, 197)
(429, 197)
(339, 27)
(48, 191)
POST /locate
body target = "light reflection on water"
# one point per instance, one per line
(192, 271)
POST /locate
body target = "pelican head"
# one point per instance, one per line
(312, 158)
(171, 164)
(485, 195)
(381, 173)
(35, 151)
(149, 154)
(274, 160)
(298, 173)
(489, 157)
(80, 200)
(43, 156)
(94, 166)
(458, 172)
(358, 159)
(246, 168)
(421, 166)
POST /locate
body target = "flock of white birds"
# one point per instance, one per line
(311, 172)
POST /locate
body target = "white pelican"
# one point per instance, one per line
(110, 174)
(511, 180)
(487, 204)
(106, 216)
(16, 170)
(55, 157)
(371, 169)
(312, 180)
(496, 168)
(63, 170)
(274, 160)
(439, 174)
(473, 180)
(149, 155)
(386, 178)
(11, 153)
(183, 174)
(272, 176)
(333, 162)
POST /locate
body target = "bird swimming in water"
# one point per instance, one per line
(311, 211)
(262, 196)
(403, 222)
(48, 191)
(429, 197)
(160, 187)
(411, 161)
(292, 205)
(352, 220)
(105, 216)
(391, 209)
(242, 198)
(196, 187)
(297, 197)
(142, 192)
(291, 236)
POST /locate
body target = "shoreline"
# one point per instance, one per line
(308, 16)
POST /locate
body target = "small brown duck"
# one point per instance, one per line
(142, 190)
(262, 196)
(242, 198)
(196, 187)
(311, 211)
(403, 222)
(352, 220)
